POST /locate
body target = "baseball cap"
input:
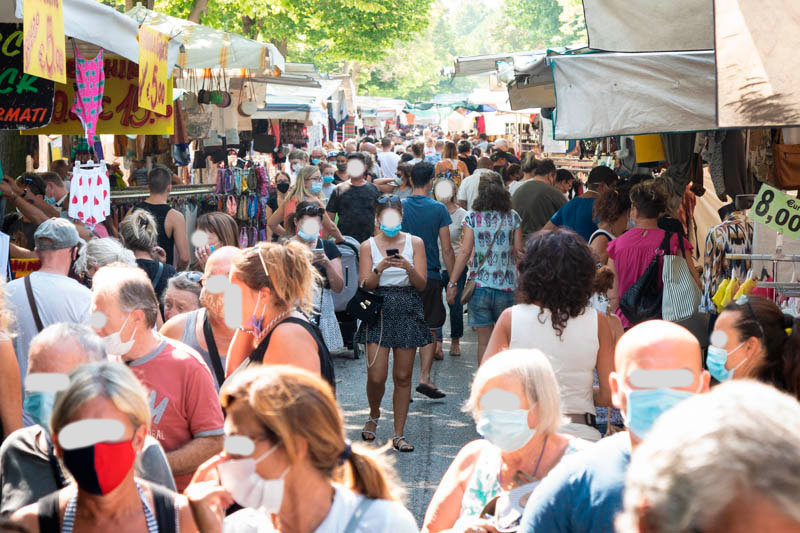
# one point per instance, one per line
(59, 232)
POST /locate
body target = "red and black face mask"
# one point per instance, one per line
(100, 468)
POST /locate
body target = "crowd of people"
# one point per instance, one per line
(160, 381)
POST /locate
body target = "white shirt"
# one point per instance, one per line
(469, 187)
(388, 162)
(382, 516)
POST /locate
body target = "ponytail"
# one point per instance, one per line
(371, 474)
(790, 358)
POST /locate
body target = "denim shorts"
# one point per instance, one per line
(486, 306)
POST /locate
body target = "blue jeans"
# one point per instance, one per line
(456, 310)
(487, 305)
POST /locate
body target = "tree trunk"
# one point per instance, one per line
(248, 27)
(197, 10)
(13, 151)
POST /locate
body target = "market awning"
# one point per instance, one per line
(652, 26)
(487, 64)
(209, 48)
(600, 95)
(757, 76)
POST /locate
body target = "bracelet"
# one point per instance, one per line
(248, 331)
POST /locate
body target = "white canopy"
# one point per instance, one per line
(475, 65)
(209, 48)
(599, 95)
(652, 26)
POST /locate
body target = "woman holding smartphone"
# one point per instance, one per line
(392, 264)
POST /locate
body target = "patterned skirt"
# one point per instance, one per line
(402, 323)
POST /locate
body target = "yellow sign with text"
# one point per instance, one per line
(778, 211)
(121, 111)
(153, 70)
(43, 42)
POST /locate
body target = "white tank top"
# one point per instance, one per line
(393, 276)
(573, 356)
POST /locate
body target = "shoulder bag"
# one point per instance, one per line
(469, 286)
(642, 301)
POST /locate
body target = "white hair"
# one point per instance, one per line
(501, 142)
(55, 337)
(741, 438)
(101, 252)
(132, 288)
(535, 374)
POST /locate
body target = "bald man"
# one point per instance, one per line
(191, 328)
(28, 468)
(658, 364)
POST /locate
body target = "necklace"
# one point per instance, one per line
(523, 474)
(272, 323)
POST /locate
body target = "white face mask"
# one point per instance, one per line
(239, 477)
(114, 344)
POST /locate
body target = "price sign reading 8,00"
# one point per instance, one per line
(777, 210)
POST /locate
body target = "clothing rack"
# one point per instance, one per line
(785, 288)
(142, 192)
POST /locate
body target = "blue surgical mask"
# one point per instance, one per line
(646, 405)
(391, 231)
(508, 430)
(327, 179)
(51, 201)
(314, 161)
(39, 405)
(308, 237)
(316, 187)
(398, 181)
(716, 361)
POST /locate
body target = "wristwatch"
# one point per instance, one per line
(451, 284)
(375, 270)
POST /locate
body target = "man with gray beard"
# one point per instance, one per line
(204, 329)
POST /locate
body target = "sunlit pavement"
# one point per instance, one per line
(436, 428)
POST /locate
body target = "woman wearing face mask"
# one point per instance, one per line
(754, 339)
(392, 263)
(297, 160)
(140, 235)
(515, 404)
(282, 185)
(305, 223)
(277, 283)
(221, 230)
(11, 406)
(307, 188)
(328, 178)
(99, 425)
(341, 168)
(287, 462)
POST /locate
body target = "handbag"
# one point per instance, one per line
(642, 300)
(469, 286)
(365, 306)
(786, 160)
(681, 295)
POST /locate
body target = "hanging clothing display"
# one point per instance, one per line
(733, 236)
(89, 84)
(90, 195)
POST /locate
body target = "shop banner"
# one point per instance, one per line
(778, 211)
(121, 112)
(153, 71)
(25, 101)
(43, 26)
(22, 267)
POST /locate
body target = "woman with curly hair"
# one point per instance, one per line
(611, 212)
(493, 230)
(556, 281)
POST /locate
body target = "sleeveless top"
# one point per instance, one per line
(573, 356)
(165, 519)
(189, 338)
(325, 359)
(393, 276)
(159, 212)
(484, 483)
(599, 232)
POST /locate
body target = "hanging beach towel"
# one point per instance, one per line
(681, 297)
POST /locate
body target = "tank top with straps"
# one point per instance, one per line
(159, 212)
(393, 276)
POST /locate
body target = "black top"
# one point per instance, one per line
(159, 212)
(331, 252)
(471, 162)
(356, 209)
(151, 267)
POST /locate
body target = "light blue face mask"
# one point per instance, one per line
(51, 201)
(398, 181)
(316, 187)
(327, 179)
(308, 237)
(646, 405)
(508, 430)
(716, 361)
(40, 406)
(391, 231)
(315, 161)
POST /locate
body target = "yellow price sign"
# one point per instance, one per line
(777, 210)
(43, 40)
(153, 69)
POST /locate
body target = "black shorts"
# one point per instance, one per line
(435, 313)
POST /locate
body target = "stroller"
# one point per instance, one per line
(348, 325)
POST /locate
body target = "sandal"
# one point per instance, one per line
(404, 447)
(429, 391)
(366, 433)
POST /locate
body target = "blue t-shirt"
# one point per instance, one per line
(424, 217)
(577, 215)
(583, 493)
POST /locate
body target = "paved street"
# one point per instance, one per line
(437, 428)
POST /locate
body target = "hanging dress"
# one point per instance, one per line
(89, 84)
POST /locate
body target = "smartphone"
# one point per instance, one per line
(392, 251)
(211, 249)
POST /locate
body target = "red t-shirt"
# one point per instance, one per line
(182, 397)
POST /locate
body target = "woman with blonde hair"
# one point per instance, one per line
(288, 463)
(10, 383)
(277, 282)
(140, 235)
(307, 188)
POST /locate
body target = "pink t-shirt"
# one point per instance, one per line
(182, 397)
(632, 252)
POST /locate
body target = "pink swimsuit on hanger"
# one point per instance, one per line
(89, 84)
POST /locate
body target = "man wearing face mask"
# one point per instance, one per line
(354, 200)
(186, 417)
(584, 493)
(29, 469)
(49, 295)
(204, 329)
(317, 156)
